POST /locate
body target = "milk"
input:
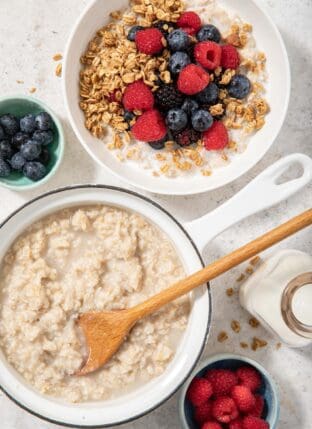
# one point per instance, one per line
(264, 293)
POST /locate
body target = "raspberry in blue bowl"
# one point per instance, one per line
(230, 390)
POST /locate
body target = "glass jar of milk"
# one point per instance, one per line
(279, 295)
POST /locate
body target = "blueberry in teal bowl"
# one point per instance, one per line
(229, 391)
(31, 142)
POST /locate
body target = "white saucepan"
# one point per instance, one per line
(278, 89)
(189, 240)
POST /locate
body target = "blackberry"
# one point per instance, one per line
(168, 97)
(159, 144)
(165, 26)
(186, 137)
(190, 52)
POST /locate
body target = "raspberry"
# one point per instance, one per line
(168, 97)
(222, 381)
(149, 41)
(229, 57)
(202, 413)
(258, 408)
(138, 96)
(208, 54)
(211, 425)
(250, 422)
(216, 138)
(199, 391)
(149, 127)
(243, 397)
(186, 137)
(249, 377)
(224, 409)
(190, 22)
(192, 79)
(236, 424)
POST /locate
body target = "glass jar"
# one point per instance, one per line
(279, 295)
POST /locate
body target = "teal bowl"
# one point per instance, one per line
(268, 388)
(20, 105)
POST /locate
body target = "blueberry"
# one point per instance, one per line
(31, 150)
(209, 32)
(44, 156)
(28, 123)
(34, 170)
(159, 144)
(5, 168)
(19, 138)
(189, 106)
(128, 116)
(209, 95)
(17, 161)
(6, 150)
(133, 31)
(201, 120)
(2, 133)
(176, 119)
(178, 61)
(165, 26)
(178, 40)
(44, 121)
(43, 137)
(239, 87)
(10, 124)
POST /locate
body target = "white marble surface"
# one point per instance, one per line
(30, 33)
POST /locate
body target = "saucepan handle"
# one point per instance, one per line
(262, 192)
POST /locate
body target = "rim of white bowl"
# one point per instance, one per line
(209, 296)
(223, 181)
(61, 133)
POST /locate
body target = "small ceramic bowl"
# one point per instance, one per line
(20, 105)
(228, 361)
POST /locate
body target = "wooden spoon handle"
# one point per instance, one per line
(222, 265)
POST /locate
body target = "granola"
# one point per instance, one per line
(111, 62)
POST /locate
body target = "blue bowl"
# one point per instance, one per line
(228, 361)
(20, 105)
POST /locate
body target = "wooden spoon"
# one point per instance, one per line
(105, 331)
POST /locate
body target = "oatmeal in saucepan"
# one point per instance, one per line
(77, 260)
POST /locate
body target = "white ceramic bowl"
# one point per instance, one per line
(260, 193)
(268, 39)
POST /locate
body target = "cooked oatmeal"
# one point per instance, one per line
(77, 260)
(111, 62)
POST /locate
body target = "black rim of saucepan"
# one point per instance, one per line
(144, 198)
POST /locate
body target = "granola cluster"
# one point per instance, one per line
(112, 62)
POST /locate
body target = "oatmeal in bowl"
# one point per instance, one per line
(78, 260)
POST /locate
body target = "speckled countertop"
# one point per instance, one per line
(31, 32)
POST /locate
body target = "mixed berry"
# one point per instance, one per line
(24, 144)
(223, 398)
(179, 111)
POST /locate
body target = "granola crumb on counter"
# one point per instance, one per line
(222, 336)
(58, 70)
(258, 343)
(230, 291)
(32, 90)
(241, 278)
(235, 325)
(57, 57)
(253, 322)
(243, 345)
(255, 261)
